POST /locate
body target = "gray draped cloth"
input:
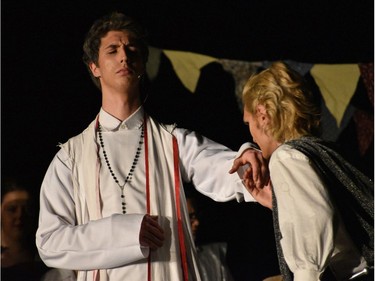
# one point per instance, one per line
(351, 191)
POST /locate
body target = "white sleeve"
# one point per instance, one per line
(206, 164)
(305, 215)
(105, 243)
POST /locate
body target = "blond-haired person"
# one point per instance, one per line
(322, 206)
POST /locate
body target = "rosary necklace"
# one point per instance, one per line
(130, 174)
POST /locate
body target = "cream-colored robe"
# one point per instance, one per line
(165, 262)
(77, 232)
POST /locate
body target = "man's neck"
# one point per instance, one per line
(122, 106)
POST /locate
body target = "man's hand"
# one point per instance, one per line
(151, 234)
(257, 174)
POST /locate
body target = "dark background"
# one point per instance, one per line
(47, 95)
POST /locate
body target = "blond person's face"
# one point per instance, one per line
(120, 62)
(257, 123)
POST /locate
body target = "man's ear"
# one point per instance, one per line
(95, 70)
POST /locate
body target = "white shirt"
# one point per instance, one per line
(113, 241)
(310, 240)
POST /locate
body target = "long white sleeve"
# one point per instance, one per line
(105, 243)
(305, 214)
(206, 163)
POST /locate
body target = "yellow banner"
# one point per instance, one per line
(337, 84)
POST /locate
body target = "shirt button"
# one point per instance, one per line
(123, 126)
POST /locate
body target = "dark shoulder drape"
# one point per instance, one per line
(350, 190)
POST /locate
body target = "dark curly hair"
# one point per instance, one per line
(114, 21)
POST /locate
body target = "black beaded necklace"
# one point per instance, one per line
(130, 174)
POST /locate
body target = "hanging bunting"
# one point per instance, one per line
(241, 71)
(300, 67)
(187, 66)
(337, 84)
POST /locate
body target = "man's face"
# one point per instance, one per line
(120, 62)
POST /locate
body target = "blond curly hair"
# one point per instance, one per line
(289, 104)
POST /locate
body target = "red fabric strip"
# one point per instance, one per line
(147, 187)
(178, 206)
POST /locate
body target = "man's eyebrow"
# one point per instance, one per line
(111, 46)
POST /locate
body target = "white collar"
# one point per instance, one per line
(111, 123)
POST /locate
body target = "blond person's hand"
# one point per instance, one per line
(151, 234)
(262, 195)
(257, 174)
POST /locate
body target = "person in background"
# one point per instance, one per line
(322, 205)
(211, 256)
(111, 203)
(19, 259)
